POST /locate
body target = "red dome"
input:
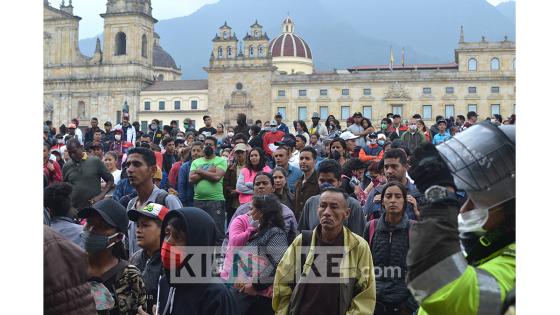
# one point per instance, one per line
(289, 45)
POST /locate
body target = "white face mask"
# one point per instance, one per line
(180, 138)
(60, 141)
(473, 221)
(230, 134)
(118, 137)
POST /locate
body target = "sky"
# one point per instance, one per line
(92, 24)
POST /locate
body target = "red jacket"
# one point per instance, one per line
(269, 138)
(55, 175)
(174, 174)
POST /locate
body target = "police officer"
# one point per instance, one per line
(462, 261)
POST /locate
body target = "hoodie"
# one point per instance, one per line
(213, 298)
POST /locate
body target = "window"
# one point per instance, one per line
(177, 105)
(472, 108)
(302, 93)
(256, 33)
(118, 117)
(161, 105)
(426, 90)
(495, 89)
(367, 92)
(472, 64)
(494, 109)
(495, 64)
(229, 52)
(345, 92)
(427, 111)
(194, 104)
(449, 90)
(251, 51)
(144, 46)
(281, 93)
(261, 51)
(220, 52)
(323, 92)
(144, 126)
(472, 89)
(449, 111)
(324, 112)
(367, 112)
(225, 35)
(160, 77)
(344, 112)
(282, 111)
(120, 44)
(302, 113)
(146, 105)
(397, 109)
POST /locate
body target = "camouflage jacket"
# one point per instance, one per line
(128, 290)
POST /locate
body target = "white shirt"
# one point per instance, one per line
(294, 160)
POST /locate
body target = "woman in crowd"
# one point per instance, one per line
(268, 242)
(301, 128)
(103, 235)
(338, 151)
(425, 131)
(110, 161)
(256, 163)
(228, 139)
(281, 190)
(233, 172)
(219, 135)
(51, 169)
(368, 127)
(351, 179)
(388, 237)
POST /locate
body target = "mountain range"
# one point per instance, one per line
(340, 34)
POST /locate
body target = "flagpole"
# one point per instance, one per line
(392, 59)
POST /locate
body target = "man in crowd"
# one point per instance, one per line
(78, 131)
(108, 136)
(173, 129)
(91, 130)
(442, 134)
(207, 175)
(95, 149)
(460, 122)
(318, 128)
(412, 137)
(397, 129)
(84, 173)
(329, 174)
(282, 157)
(281, 126)
(272, 136)
(357, 129)
(57, 201)
(316, 144)
(169, 156)
(141, 169)
(472, 117)
(395, 164)
(207, 130)
(73, 132)
(308, 185)
(352, 293)
(155, 132)
(184, 188)
(128, 131)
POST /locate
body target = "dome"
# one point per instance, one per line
(161, 58)
(289, 45)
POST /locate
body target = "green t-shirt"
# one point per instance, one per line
(205, 189)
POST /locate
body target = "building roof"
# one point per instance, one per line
(290, 45)
(178, 85)
(163, 59)
(398, 67)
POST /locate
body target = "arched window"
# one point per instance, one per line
(220, 52)
(472, 64)
(160, 77)
(256, 33)
(81, 109)
(229, 52)
(495, 64)
(144, 46)
(120, 44)
(251, 51)
(261, 51)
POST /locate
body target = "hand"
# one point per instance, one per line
(50, 166)
(414, 204)
(427, 168)
(212, 169)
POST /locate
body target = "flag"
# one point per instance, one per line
(392, 60)
(402, 57)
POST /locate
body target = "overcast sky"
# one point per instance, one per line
(92, 24)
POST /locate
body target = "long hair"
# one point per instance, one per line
(401, 187)
(271, 209)
(262, 161)
(302, 124)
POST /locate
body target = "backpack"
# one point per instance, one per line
(110, 278)
(373, 223)
(160, 199)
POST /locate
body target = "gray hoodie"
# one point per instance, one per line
(309, 220)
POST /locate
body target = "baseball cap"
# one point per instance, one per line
(396, 116)
(348, 135)
(111, 211)
(315, 115)
(288, 140)
(441, 120)
(151, 210)
(71, 126)
(240, 147)
(278, 115)
(273, 123)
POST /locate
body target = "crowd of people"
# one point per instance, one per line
(121, 202)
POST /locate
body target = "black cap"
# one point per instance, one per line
(112, 212)
(396, 116)
(288, 140)
(441, 120)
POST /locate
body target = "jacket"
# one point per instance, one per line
(320, 130)
(244, 185)
(309, 219)
(413, 139)
(156, 136)
(193, 298)
(239, 232)
(389, 247)
(130, 133)
(184, 188)
(151, 270)
(467, 289)
(269, 138)
(286, 197)
(357, 294)
(65, 281)
(304, 191)
(230, 192)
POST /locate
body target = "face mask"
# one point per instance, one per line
(60, 141)
(166, 257)
(473, 221)
(335, 155)
(186, 126)
(493, 120)
(208, 151)
(94, 243)
(324, 186)
(370, 142)
(180, 138)
(254, 223)
(230, 134)
(118, 137)
(273, 129)
(381, 142)
(413, 127)
(383, 126)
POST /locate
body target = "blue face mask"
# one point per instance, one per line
(381, 142)
(324, 186)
